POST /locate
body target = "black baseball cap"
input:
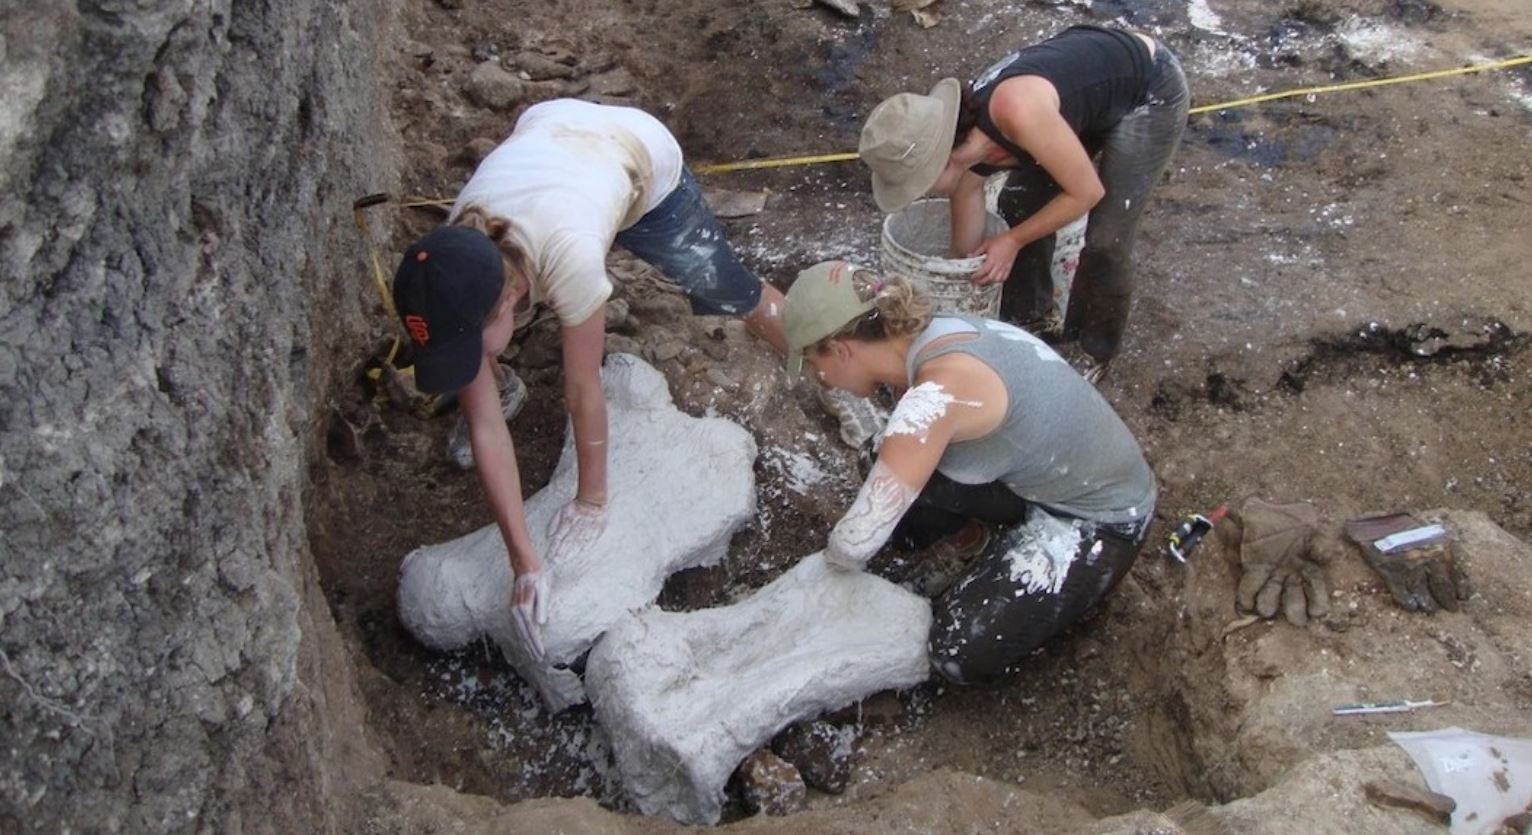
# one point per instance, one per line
(444, 289)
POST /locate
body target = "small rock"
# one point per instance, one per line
(539, 67)
(731, 204)
(619, 344)
(476, 150)
(618, 317)
(485, 51)
(416, 49)
(849, 8)
(716, 349)
(1433, 806)
(769, 784)
(721, 380)
(659, 307)
(666, 350)
(492, 87)
(822, 752)
(618, 82)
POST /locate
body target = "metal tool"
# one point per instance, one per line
(1184, 539)
(1402, 706)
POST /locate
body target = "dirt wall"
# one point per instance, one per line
(180, 275)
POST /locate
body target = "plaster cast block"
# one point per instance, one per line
(686, 696)
(679, 487)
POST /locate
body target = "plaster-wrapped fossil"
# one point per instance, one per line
(685, 696)
(680, 487)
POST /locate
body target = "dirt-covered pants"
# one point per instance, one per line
(1132, 156)
(1039, 574)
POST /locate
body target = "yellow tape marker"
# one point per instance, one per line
(818, 159)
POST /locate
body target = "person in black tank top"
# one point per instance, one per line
(1082, 123)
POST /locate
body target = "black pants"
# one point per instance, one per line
(1039, 574)
(1132, 157)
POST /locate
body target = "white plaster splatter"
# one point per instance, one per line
(1043, 553)
(1371, 41)
(799, 472)
(1203, 17)
(920, 407)
(1015, 334)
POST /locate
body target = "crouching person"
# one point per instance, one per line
(992, 428)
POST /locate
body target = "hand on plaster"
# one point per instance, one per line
(575, 526)
(529, 610)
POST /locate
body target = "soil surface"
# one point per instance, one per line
(1331, 296)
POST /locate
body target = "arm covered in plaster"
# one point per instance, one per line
(869, 523)
(918, 432)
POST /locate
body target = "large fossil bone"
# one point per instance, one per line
(680, 487)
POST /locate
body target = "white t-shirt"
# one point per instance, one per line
(572, 175)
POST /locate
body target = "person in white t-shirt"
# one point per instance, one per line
(533, 227)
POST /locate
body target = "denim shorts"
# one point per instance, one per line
(682, 239)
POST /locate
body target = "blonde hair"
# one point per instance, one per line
(513, 259)
(899, 309)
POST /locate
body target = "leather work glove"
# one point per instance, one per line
(1282, 567)
(1421, 579)
(529, 610)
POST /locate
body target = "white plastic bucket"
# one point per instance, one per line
(915, 244)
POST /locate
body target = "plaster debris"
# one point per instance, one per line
(1042, 556)
(667, 512)
(1015, 334)
(685, 696)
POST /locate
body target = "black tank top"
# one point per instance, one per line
(1100, 74)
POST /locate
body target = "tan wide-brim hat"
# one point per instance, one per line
(906, 142)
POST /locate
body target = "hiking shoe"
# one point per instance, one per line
(513, 395)
(949, 559)
(1049, 327)
(860, 420)
(1093, 369)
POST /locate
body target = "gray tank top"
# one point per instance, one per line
(1060, 444)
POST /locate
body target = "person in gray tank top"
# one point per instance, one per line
(992, 426)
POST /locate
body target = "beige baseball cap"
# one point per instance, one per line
(906, 142)
(820, 302)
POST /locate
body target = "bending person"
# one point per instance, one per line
(992, 425)
(1084, 122)
(533, 227)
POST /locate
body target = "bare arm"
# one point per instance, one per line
(1026, 111)
(584, 344)
(498, 473)
(967, 214)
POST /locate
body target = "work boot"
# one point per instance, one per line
(513, 395)
(949, 559)
(1049, 327)
(1092, 369)
(860, 420)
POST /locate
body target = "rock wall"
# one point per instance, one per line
(181, 282)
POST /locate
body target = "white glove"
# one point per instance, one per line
(573, 527)
(529, 610)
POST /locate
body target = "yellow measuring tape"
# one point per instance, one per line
(818, 159)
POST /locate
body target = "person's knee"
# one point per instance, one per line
(957, 652)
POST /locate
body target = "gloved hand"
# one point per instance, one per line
(1282, 564)
(1421, 579)
(529, 610)
(576, 525)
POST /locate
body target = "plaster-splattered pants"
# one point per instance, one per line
(1037, 576)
